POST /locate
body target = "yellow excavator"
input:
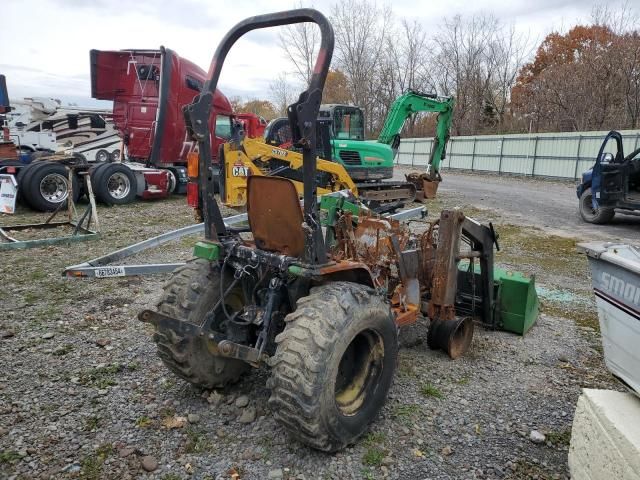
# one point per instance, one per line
(243, 157)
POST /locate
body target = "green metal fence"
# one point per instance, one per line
(560, 155)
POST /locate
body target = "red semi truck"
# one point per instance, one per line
(149, 89)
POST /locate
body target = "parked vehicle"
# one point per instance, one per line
(40, 136)
(318, 293)
(612, 184)
(149, 89)
(43, 124)
(370, 162)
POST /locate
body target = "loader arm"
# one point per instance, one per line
(413, 102)
(252, 157)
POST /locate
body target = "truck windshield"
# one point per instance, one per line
(348, 123)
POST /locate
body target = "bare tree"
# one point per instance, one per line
(281, 93)
(360, 29)
(300, 43)
(505, 56)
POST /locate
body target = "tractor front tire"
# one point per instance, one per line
(334, 365)
(599, 215)
(189, 295)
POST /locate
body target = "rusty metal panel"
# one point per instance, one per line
(275, 215)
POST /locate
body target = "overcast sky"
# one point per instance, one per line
(44, 44)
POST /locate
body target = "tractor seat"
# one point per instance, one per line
(275, 216)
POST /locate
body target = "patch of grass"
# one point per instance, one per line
(31, 298)
(101, 377)
(168, 383)
(198, 442)
(367, 474)
(406, 410)
(9, 456)
(525, 471)
(91, 468)
(143, 421)
(92, 423)
(463, 380)
(373, 457)
(36, 275)
(171, 476)
(582, 315)
(166, 412)
(63, 350)
(373, 438)
(49, 311)
(430, 390)
(133, 366)
(560, 438)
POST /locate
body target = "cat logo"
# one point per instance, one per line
(239, 170)
(279, 152)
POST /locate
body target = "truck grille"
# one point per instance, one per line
(350, 157)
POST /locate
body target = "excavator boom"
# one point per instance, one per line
(413, 102)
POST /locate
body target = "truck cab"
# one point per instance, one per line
(612, 184)
(363, 159)
(148, 89)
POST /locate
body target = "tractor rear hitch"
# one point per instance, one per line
(217, 346)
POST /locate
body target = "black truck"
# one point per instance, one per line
(612, 184)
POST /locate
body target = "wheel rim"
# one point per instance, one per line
(359, 371)
(53, 188)
(102, 156)
(118, 185)
(587, 207)
(173, 181)
(115, 155)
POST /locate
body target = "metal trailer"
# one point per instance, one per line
(101, 267)
(80, 233)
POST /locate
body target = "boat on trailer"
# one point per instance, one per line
(615, 275)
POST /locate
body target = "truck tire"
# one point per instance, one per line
(334, 365)
(172, 180)
(115, 156)
(103, 156)
(599, 216)
(45, 186)
(114, 184)
(189, 295)
(21, 177)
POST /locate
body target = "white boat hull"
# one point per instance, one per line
(615, 274)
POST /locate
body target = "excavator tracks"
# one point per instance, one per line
(385, 192)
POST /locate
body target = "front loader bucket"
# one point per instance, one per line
(515, 297)
(517, 301)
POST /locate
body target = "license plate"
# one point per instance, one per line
(105, 272)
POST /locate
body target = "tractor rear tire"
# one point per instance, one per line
(334, 365)
(189, 295)
(598, 216)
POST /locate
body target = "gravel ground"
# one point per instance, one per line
(83, 394)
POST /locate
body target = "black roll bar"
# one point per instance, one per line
(302, 117)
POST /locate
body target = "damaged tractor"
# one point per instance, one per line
(318, 293)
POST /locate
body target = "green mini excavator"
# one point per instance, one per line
(370, 162)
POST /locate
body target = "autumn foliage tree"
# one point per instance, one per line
(578, 81)
(336, 88)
